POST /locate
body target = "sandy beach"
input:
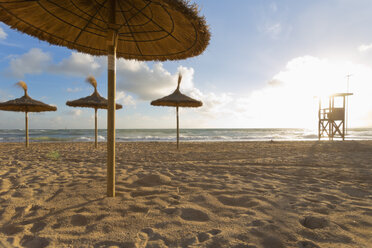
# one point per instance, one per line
(232, 194)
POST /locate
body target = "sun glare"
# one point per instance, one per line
(293, 100)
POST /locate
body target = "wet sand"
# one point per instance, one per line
(232, 194)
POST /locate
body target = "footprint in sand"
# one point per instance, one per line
(20, 211)
(189, 242)
(11, 229)
(214, 231)
(138, 208)
(163, 225)
(172, 211)
(38, 226)
(79, 220)
(242, 201)
(270, 242)
(151, 234)
(34, 242)
(204, 236)
(314, 222)
(191, 214)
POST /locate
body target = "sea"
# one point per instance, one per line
(139, 135)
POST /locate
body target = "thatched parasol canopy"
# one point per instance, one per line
(95, 100)
(147, 30)
(177, 99)
(132, 29)
(25, 103)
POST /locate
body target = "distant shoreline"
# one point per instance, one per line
(169, 135)
(197, 142)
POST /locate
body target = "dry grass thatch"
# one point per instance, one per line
(148, 30)
(92, 81)
(177, 99)
(25, 103)
(95, 100)
(23, 85)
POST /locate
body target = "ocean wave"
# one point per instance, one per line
(84, 139)
(169, 135)
(146, 138)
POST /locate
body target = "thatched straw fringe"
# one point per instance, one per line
(26, 104)
(92, 81)
(196, 37)
(95, 101)
(23, 85)
(177, 99)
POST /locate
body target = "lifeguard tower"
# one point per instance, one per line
(332, 119)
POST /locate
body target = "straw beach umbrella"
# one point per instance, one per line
(136, 29)
(25, 104)
(177, 99)
(95, 101)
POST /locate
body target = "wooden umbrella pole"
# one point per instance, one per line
(178, 129)
(26, 128)
(111, 74)
(96, 127)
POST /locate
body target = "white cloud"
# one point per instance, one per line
(74, 112)
(288, 99)
(124, 99)
(365, 48)
(73, 90)
(152, 83)
(36, 61)
(149, 83)
(3, 35)
(214, 105)
(79, 64)
(33, 62)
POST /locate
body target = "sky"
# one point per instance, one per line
(265, 63)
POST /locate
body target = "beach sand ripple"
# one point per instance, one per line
(231, 194)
